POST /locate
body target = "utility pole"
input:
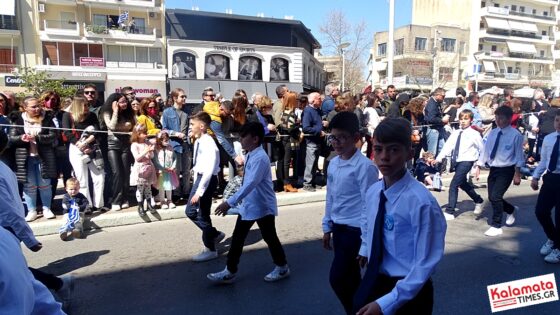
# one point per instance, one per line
(391, 42)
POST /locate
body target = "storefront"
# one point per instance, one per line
(143, 88)
(79, 79)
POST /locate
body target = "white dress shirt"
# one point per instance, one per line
(546, 152)
(509, 152)
(347, 183)
(413, 237)
(469, 148)
(206, 159)
(20, 293)
(372, 119)
(257, 192)
(11, 208)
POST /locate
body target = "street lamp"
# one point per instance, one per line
(477, 69)
(341, 50)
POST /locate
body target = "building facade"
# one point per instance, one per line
(12, 53)
(239, 52)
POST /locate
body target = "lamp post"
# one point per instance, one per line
(477, 69)
(341, 50)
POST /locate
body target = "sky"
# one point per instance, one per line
(311, 12)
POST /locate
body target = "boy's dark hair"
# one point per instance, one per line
(460, 91)
(3, 140)
(505, 111)
(254, 129)
(345, 121)
(203, 117)
(472, 96)
(466, 112)
(396, 130)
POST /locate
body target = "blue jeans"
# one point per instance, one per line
(200, 213)
(435, 141)
(34, 181)
(459, 180)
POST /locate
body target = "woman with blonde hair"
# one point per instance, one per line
(289, 129)
(486, 110)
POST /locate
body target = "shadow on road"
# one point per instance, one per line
(69, 264)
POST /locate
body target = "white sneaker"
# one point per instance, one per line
(205, 255)
(278, 273)
(171, 205)
(47, 213)
(547, 247)
(510, 218)
(31, 216)
(553, 257)
(152, 202)
(115, 208)
(478, 208)
(224, 276)
(493, 231)
(448, 216)
(125, 205)
(164, 206)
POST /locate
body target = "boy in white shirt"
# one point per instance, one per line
(259, 205)
(464, 146)
(350, 176)
(206, 164)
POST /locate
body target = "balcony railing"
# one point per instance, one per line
(8, 25)
(517, 34)
(7, 68)
(507, 12)
(497, 55)
(103, 29)
(61, 25)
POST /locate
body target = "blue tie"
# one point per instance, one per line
(554, 156)
(363, 295)
(496, 144)
(456, 152)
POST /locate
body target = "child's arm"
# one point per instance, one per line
(65, 202)
(327, 221)
(83, 203)
(519, 157)
(210, 162)
(448, 146)
(11, 215)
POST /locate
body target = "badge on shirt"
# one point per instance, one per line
(389, 222)
(508, 146)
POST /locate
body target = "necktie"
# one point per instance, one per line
(456, 151)
(366, 286)
(245, 168)
(195, 152)
(496, 144)
(554, 156)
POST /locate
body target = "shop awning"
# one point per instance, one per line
(497, 23)
(489, 66)
(531, 27)
(522, 48)
(517, 26)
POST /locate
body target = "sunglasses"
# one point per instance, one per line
(89, 92)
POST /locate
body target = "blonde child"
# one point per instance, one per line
(165, 162)
(143, 170)
(74, 205)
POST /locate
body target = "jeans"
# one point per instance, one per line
(36, 181)
(459, 180)
(200, 213)
(268, 232)
(120, 166)
(311, 159)
(548, 199)
(435, 141)
(345, 271)
(499, 181)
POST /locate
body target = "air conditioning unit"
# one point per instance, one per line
(152, 15)
(41, 8)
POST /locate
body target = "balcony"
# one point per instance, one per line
(138, 34)
(121, 3)
(504, 12)
(8, 25)
(57, 27)
(502, 35)
(133, 65)
(7, 68)
(517, 57)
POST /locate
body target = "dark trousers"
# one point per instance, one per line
(63, 167)
(120, 166)
(549, 198)
(499, 181)
(200, 213)
(421, 304)
(268, 232)
(459, 180)
(50, 281)
(186, 162)
(283, 165)
(531, 152)
(345, 271)
(540, 140)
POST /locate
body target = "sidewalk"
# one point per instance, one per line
(130, 216)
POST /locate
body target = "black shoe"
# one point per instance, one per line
(141, 211)
(89, 210)
(150, 208)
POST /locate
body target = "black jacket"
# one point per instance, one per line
(546, 121)
(45, 141)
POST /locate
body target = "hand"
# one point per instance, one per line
(535, 184)
(327, 241)
(25, 137)
(362, 261)
(180, 135)
(36, 248)
(477, 172)
(222, 209)
(115, 106)
(536, 130)
(325, 123)
(239, 160)
(445, 119)
(517, 179)
(322, 133)
(370, 309)
(271, 127)
(80, 145)
(195, 199)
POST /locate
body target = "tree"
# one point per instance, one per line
(337, 30)
(37, 82)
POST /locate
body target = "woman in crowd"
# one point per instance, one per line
(148, 115)
(135, 104)
(289, 129)
(83, 150)
(414, 112)
(7, 156)
(516, 118)
(34, 155)
(271, 144)
(118, 118)
(240, 105)
(486, 110)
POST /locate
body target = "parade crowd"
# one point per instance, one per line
(175, 151)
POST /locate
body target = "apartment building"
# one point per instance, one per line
(111, 43)
(11, 51)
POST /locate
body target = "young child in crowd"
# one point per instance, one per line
(548, 196)
(206, 165)
(350, 175)
(232, 187)
(464, 146)
(166, 162)
(144, 171)
(426, 169)
(259, 205)
(74, 205)
(503, 153)
(403, 233)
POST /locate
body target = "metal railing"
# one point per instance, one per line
(103, 29)
(7, 68)
(62, 25)
(530, 15)
(6, 24)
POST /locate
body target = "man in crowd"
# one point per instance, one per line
(391, 93)
(472, 105)
(313, 128)
(434, 117)
(128, 91)
(90, 94)
(381, 101)
(208, 95)
(331, 92)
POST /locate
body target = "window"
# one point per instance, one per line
(497, 5)
(142, 54)
(7, 58)
(155, 55)
(250, 68)
(482, 4)
(113, 53)
(399, 46)
(140, 25)
(545, 13)
(100, 19)
(513, 7)
(535, 11)
(509, 69)
(521, 9)
(279, 69)
(480, 47)
(445, 74)
(382, 49)
(494, 48)
(542, 53)
(543, 33)
(184, 65)
(420, 44)
(448, 44)
(8, 22)
(80, 50)
(216, 66)
(68, 54)
(127, 54)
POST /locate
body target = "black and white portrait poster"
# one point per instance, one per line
(216, 67)
(250, 68)
(279, 70)
(184, 66)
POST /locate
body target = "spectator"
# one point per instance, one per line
(541, 104)
(289, 129)
(313, 128)
(90, 93)
(391, 93)
(371, 120)
(434, 118)
(135, 104)
(148, 115)
(278, 106)
(166, 164)
(546, 124)
(331, 92)
(516, 119)
(414, 112)
(472, 105)
(7, 156)
(143, 170)
(396, 108)
(486, 110)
